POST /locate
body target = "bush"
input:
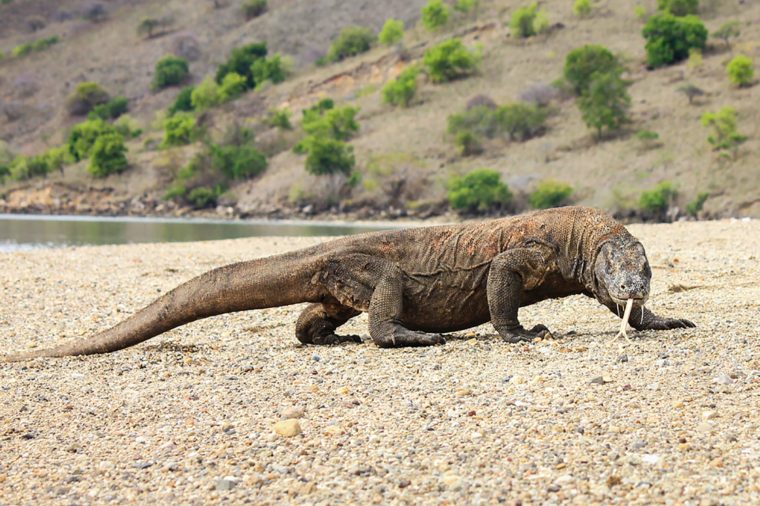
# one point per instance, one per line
(27, 167)
(695, 206)
(149, 27)
(203, 197)
(521, 121)
(648, 139)
(468, 143)
(84, 135)
(254, 8)
(691, 92)
(435, 15)
(85, 97)
(279, 118)
(517, 121)
(351, 41)
(240, 61)
(179, 129)
(657, 200)
(582, 8)
(401, 91)
(268, 69)
(392, 32)
(478, 191)
(728, 31)
(328, 156)
(238, 162)
(450, 60)
(740, 70)
(528, 21)
(110, 110)
(233, 85)
(669, 38)
(108, 155)
(170, 71)
(723, 125)
(678, 7)
(183, 102)
(550, 193)
(540, 94)
(606, 104)
(33, 46)
(465, 6)
(206, 94)
(335, 123)
(127, 127)
(583, 62)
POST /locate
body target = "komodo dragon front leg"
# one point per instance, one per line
(318, 322)
(511, 273)
(643, 319)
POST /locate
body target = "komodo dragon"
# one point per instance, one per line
(415, 283)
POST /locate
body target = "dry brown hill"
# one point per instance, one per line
(404, 155)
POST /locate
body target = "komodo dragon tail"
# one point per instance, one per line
(257, 284)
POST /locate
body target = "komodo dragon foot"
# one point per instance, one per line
(519, 333)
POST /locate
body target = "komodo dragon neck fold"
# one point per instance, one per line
(413, 283)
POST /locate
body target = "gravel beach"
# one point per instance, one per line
(189, 417)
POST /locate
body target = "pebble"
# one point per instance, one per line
(227, 483)
(723, 379)
(709, 415)
(292, 412)
(452, 481)
(463, 392)
(287, 428)
(601, 380)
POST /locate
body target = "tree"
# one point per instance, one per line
(401, 91)
(352, 41)
(691, 92)
(478, 191)
(550, 193)
(657, 200)
(724, 136)
(329, 156)
(85, 97)
(465, 6)
(528, 21)
(582, 8)
(179, 130)
(606, 104)
(108, 155)
(392, 32)
(170, 71)
(435, 15)
(728, 31)
(669, 38)
(583, 62)
(83, 136)
(740, 70)
(678, 7)
(450, 60)
(240, 61)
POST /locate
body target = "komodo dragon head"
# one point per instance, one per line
(622, 272)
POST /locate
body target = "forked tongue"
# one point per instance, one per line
(624, 322)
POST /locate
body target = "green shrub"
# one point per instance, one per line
(724, 136)
(465, 6)
(435, 15)
(57, 158)
(241, 61)
(351, 41)
(478, 191)
(150, 27)
(648, 139)
(669, 38)
(740, 70)
(206, 94)
(728, 31)
(238, 162)
(254, 8)
(108, 155)
(582, 8)
(33, 46)
(550, 193)
(392, 32)
(678, 7)
(203, 197)
(657, 200)
(695, 206)
(183, 102)
(27, 167)
(83, 136)
(279, 118)
(528, 21)
(450, 60)
(605, 106)
(179, 129)
(85, 97)
(521, 121)
(170, 71)
(110, 110)
(518, 121)
(335, 123)
(268, 69)
(583, 62)
(640, 12)
(401, 91)
(468, 143)
(233, 85)
(127, 127)
(328, 156)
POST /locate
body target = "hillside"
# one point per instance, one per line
(404, 156)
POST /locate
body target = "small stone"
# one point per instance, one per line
(709, 415)
(613, 480)
(404, 483)
(316, 358)
(287, 428)
(601, 380)
(333, 430)
(638, 444)
(472, 342)
(678, 404)
(342, 391)
(723, 379)
(226, 483)
(650, 458)
(463, 392)
(142, 464)
(622, 358)
(292, 412)
(553, 488)
(452, 481)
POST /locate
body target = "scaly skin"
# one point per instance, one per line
(415, 284)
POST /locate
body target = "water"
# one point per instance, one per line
(23, 232)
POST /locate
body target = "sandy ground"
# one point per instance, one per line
(187, 418)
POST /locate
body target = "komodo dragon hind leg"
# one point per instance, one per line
(318, 322)
(385, 309)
